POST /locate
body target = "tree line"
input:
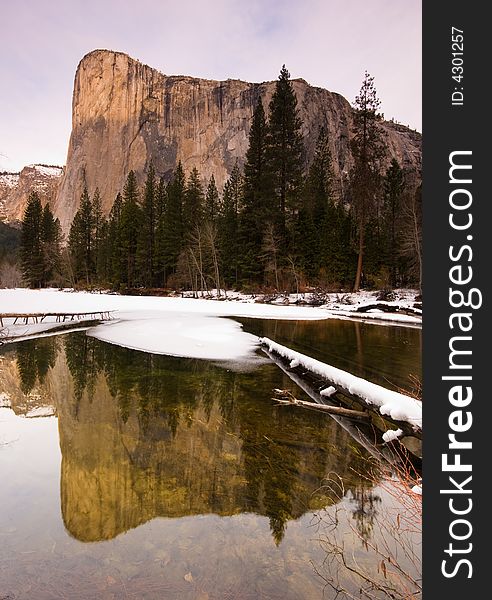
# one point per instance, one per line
(277, 224)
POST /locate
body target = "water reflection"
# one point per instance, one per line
(364, 508)
(145, 436)
(236, 482)
(34, 359)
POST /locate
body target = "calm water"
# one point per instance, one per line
(168, 478)
(387, 355)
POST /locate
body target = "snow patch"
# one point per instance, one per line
(327, 392)
(41, 411)
(179, 334)
(9, 179)
(48, 171)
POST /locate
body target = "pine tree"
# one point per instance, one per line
(161, 199)
(51, 244)
(285, 149)
(394, 186)
(193, 202)
(81, 240)
(104, 254)
(317, 215)
(376, 260)
(212, 201)
(229, 226)
(146, 242)
(32, 259)
(87, 235)
(171, 223)
(116, 266)
(99, 224)
(319, 188)
(76, 249)
(336, 255)
(307, 242)
(257, 206)
(130, 225)
(160, 216)
(368, 149)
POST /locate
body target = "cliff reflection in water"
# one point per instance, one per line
(146, 436)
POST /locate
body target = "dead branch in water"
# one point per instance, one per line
(286, 397)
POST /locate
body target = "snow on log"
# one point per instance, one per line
(391, 435)
(398, 407)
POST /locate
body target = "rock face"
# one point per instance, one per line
(16, 187)
(126, 114)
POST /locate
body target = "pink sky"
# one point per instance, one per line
(327, 42)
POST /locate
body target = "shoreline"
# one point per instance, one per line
(143, 308)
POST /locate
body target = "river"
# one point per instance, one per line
(161, 477)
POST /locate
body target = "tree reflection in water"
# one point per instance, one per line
(34, 359)
(144, 435)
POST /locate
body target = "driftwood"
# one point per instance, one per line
(68, 326)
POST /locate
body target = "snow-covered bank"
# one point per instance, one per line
(393, 404)
(346, 305)
(335, 305)
(171, 325)
(175, 326)
(349, 306)
(25, 301)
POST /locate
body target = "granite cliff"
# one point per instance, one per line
(125, 114)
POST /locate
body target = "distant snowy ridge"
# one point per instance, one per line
(15, 188)
(48, 171)
(393, 404)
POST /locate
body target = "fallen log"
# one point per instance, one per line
(349, 391)
(363, 432)
(58, 327)
(60, 317)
